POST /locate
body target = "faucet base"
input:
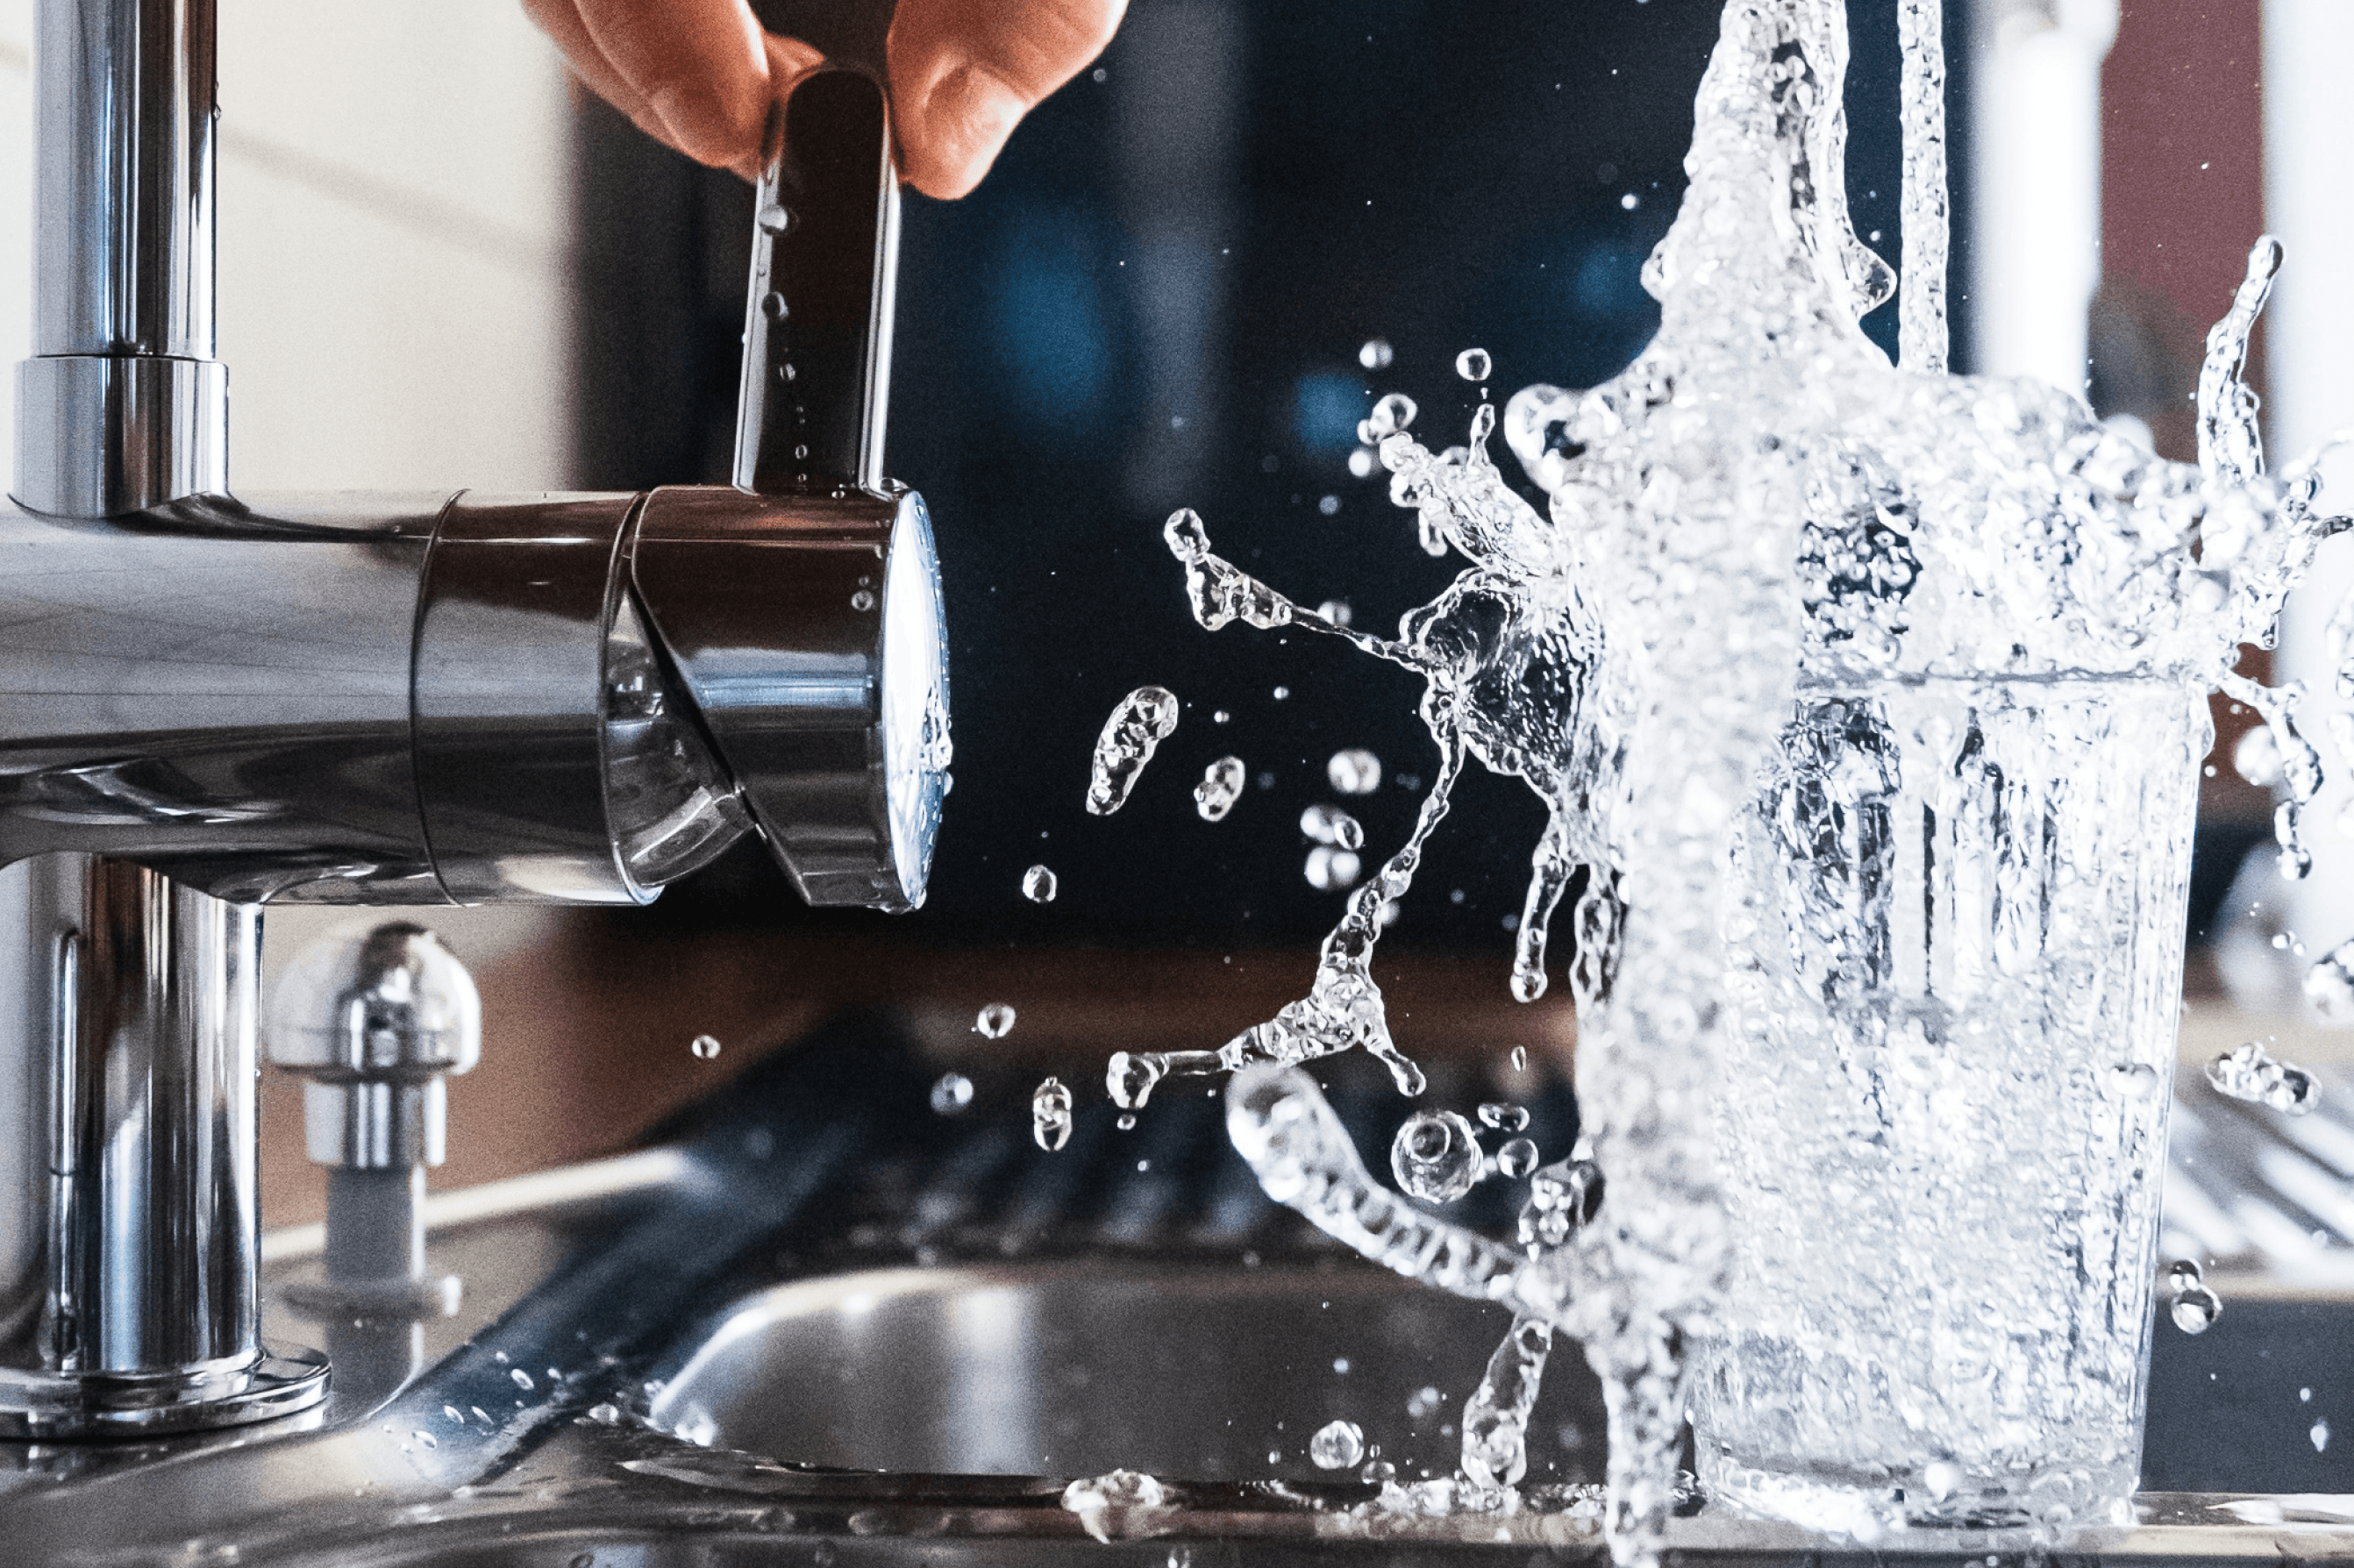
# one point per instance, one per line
(279, 1379)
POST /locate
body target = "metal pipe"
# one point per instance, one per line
(122, 406)
(128, 1285)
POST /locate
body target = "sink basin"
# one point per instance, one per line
(1206, 1372)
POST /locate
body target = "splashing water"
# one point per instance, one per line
(1516, 1159)
(2193, 1304)
(1435, 1156)
(1789, 603)
(1355, 771)
(2250, 1073)
(1145, 717)
(1337, 1446)
(950, 1093)
(1504, 1116)
(1221, 787)
(1331, 825)
(1496, 1417)
(1330, 870)
(1050, 1115)
(2329, 986)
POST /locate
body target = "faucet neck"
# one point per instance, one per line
(122, 406)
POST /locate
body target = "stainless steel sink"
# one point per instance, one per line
(1215, 1371)
(891, 1341)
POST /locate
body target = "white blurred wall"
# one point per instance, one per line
(15, 216)
(395, 186)
(2309, 346)
(2035, 186)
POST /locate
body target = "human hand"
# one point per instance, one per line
(701, 74)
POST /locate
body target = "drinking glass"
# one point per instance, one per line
(1955, 944)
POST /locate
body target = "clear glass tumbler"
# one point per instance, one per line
(1957, 954)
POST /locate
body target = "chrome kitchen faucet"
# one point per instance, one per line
(209, 702)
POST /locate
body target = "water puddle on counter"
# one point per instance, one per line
(1759, 506)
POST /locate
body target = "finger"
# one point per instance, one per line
(791, 62)
(964, 72)
(560, 20)
(700, 65)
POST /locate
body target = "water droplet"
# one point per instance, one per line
(1355, 771)
(704, 1047)
(1423, 1402)
(520, 1378)
(774, 218)
(2318, 1435)
(1114, 1488)
(951, 1093)
(2257, 757)
(1144, 718)
(1941, 1479)
(1328, 505)
(1282, 693)
(994, 1021)
(1183, 533)
(1221, 787)
(1435, 1156)
(2195, 1307)
(1376, 354)
(1337, 1446)
(1520, 1058)
(1377, 1473)
(1039, 885)
(863, 601)
(1330, 825)
(1392, 415)
(2250, 1074)
(424, 1439)
(1330, 870)
(1129, 1077)
(1221, 716)
(1361, 463)
(605, 1414)
(2329, 986)
(1516, 1159)
(1473, 364)
(773, 306)
(1127, 1123)
(1504, 1116)
(1050, 1115)
(1630, 201)
(1341, 1366)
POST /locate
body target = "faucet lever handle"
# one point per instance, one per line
(817, 323)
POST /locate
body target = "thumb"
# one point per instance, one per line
(964, 72)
